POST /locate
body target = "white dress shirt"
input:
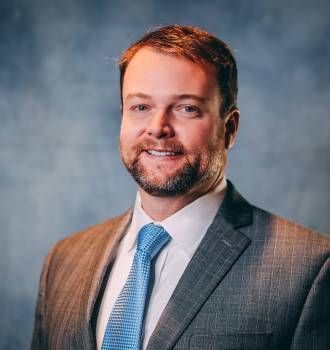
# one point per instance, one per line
(186, 227)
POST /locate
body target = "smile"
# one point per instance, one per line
(161, 153)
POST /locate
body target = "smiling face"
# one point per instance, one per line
(172, 139)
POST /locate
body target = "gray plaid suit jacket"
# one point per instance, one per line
(256, 281)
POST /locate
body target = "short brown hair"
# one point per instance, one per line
(196, 45)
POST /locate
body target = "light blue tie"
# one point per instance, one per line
(124, 328)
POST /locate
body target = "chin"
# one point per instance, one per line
(163, 191)
(170, 186)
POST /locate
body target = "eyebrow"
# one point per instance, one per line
(138, 94)
(177, 97)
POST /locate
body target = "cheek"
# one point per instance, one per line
(128, 131)
(201, 135)
(216, 136)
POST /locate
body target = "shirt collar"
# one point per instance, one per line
(187, 226)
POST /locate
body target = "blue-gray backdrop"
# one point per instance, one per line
(59, 120)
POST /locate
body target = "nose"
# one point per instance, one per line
(160, 125)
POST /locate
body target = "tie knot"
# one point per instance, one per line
(151, 239)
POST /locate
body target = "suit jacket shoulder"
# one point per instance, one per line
(89, 239)
(295, 249)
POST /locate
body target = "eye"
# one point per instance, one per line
(189, 110)
(139, 108)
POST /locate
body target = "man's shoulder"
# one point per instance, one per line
(283, 233)
(97, 234)
(261, 225)
(286, 225)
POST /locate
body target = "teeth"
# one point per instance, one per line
(161, 153)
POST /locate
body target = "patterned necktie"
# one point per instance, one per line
(124, 327)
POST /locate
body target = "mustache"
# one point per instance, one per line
(170, 146)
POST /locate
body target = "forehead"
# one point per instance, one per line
(150, 71)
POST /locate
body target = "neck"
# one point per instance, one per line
(159, 208)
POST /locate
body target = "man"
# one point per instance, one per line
(226, 275)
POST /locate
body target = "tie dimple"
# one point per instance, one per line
(124, 327)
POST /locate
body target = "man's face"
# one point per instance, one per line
(172, 137)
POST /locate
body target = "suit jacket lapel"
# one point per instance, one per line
(220, 248)
(99, 277)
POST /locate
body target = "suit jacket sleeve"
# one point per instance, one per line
(39, 333)
(313, 329)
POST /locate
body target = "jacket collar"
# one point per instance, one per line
(235, 209)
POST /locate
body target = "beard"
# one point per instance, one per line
(198, 167)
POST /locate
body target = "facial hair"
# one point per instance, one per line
(202, 168)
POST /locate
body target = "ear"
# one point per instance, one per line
(231, 127)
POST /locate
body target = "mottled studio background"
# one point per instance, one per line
(59, 119)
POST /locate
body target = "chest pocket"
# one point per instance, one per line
(244, 341)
